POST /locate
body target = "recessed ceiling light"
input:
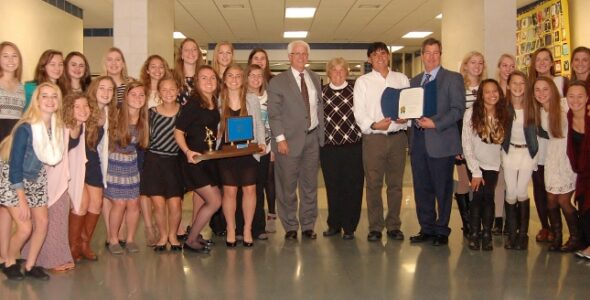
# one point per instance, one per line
(395, 48)
(439, 16)
(416, 34)
(369, 6)
(178, 35)
(299, 12)
(294, 34)
(307, 65)
(357, 66)
(233, 6)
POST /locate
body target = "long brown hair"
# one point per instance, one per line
(179, 63)
(68, 110)
(40, 71)
(86, 78)
(224, 97)
(266, 71)
(527, 102)
(18, 74)
(555, 113)
(93, 128)
(533, 74)
(480, 115)
(197, 91)
(586, 50)
(119, 135)
(144, 77)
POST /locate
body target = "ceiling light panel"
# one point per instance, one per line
(299, 12)
(295, 34)
(416, 34)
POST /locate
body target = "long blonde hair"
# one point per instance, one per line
(464, 63)
(215, 62)
(33, 115)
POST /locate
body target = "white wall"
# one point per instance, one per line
(579, 23)
(35, 26)
(94, 50)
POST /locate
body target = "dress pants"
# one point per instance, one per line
(384, 157)
(433, 187)
(342, 167)
(298, 172)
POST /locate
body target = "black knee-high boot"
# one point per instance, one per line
(524, 211)
(510, 225)
(487, 222)
(463, 204)
(555, 219)
(474, 221)
(574, 242)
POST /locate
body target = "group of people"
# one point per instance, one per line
(75, 147)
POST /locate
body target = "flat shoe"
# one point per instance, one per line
(13, 272)
(37, 273)
(132, 247)
(116, 249)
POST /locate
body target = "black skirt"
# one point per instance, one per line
(161, 176)
(238, 171)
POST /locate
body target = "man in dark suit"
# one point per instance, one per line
(434, 143)
(297, 124)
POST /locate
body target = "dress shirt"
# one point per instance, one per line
(432, 74)
(367, 99)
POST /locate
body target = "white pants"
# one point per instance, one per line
(518, 169)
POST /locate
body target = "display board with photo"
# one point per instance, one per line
(545, 24)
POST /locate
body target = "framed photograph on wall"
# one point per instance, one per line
(557, 52)
(557, 66)
(556, 36)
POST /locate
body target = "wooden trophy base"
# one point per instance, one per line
(228, 151)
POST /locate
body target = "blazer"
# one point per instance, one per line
(444, 140)
(286, 111)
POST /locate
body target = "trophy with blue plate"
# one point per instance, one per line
(238, 134)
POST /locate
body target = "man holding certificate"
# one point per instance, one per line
(434, 143)
(384, 143)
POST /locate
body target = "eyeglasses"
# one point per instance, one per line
(252, 75)
(299, 53)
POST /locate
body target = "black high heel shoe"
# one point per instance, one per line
(231, 244)
(176, 247)
(160, 248)
(205, 242)
(248, 244)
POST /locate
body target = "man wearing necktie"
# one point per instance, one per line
(297, 124)
(434, 143)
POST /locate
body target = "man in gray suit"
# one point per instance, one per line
(296, 121)
(434, 143)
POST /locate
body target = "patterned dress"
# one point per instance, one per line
(123, 171)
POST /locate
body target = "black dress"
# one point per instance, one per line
(193, 121)
(238, 171)
(93, 176)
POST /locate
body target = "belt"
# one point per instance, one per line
(396, 132)
(519, 146)
(310, 131)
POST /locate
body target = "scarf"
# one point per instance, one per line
(49, 150)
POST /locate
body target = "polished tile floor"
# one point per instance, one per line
(327, 268)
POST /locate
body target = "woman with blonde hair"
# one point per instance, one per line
(506, 65)
(114, 65)
(223, 57)
(473, 70)
(35, 142)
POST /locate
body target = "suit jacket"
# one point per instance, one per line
(286, 111)
(444, 140)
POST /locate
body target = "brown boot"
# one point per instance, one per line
(75, 225)
(89, 226)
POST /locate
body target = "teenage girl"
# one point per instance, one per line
(115, 66)
(581, 65)
(50, 68)
(77, 75)
(223, 56)
(506, 65)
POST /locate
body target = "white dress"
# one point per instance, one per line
(559, 176)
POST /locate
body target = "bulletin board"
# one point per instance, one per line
(544, 24)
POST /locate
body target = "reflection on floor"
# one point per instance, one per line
(327, 268)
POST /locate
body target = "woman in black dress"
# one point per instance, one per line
(198, 118)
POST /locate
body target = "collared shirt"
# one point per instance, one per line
(313, 96)
(367, 99)
(432, 74)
